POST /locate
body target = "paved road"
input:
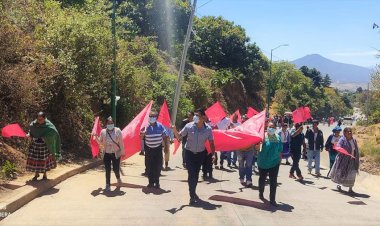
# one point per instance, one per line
(81, 201)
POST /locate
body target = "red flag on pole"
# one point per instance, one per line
(237, 112)
(215, 113)
(342, 150)
(96, 129)
(131, 133)
(251, 112)
(249, 133)
(164, 116)
(13, 130)
(301, 114)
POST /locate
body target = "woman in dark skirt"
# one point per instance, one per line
(44, 148)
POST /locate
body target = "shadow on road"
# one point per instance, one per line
(227, 192)
(213, 181)
(249, 203)
(200, 204)
(247, 188)
(305, 182)
(128, 185)
(51, 191)
(155, 191)
(352, 194)
(112, 193)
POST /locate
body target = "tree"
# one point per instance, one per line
(326, 81)
(313, 74)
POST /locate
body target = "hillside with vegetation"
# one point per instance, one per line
(56, 57)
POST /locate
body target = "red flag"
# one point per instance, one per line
(301, 114)
(131, 133)
(13, 130)
(176, 146)
(215, 113)
(307, 113)
(342, 150)
(237, 112)
(164, 116)
(96, 129)
(249, 133)
(251, 112)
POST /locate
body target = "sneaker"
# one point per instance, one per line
(339, 187)
(242, 182)
(249, 184)
(210, 176)
(291, 175)
(287, 163)
(157, 186)
(141, 153)
(235, 166)
(300, 177)
(149, 186)
(204, 176)
(108, 187)
(318, 174)
(309, 171)
(119, 182)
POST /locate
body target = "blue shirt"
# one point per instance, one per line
(196, 138)
(154, 135)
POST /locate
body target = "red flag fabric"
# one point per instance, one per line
(164, 116)
(249, 133)
(237, 112)
(342, 150)
(176, 146)
(13, 130)
(251, 112)
(96, 129)
(131, 133)
(215, 113)
(301, 114)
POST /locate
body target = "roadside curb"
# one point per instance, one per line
(27, 193)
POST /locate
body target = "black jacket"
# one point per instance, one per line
(310, 139)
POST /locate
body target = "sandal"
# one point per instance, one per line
(35, 177)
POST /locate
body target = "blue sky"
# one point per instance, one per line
(340, 30)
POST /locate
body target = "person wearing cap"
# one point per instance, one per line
(297, 141)
(314, 137)
(346, 167)
(155, 136)
(45, 147)
(331, 141)
(197, 132)
(111, 141)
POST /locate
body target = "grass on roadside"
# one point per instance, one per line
(369, 141)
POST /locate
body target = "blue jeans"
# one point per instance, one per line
(245, 164)
(316, 155)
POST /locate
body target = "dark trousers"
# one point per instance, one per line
(153, 161)
(108, 159)
(273, 173)
(193, 164)
(296, 156)
(207, 164)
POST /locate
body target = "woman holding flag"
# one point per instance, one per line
(346, 164)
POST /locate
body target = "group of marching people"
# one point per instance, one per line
(196, 130)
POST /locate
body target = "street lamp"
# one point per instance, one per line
(270, 77)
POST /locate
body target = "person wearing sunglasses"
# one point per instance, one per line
(345, 166)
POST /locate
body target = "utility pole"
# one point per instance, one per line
(182, 65)
(113, 96)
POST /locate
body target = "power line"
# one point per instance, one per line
(205, 4)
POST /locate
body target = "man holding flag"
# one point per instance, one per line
(198, 133)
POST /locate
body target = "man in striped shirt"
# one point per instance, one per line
(155, 137)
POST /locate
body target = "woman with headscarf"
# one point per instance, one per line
(45, 147)
(345, 166)
(268, 161)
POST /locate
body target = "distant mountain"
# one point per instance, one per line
(338, 72)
